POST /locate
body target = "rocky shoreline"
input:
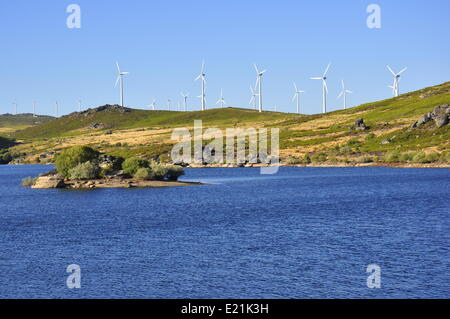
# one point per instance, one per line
(54, 182)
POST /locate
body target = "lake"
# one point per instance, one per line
(303, 233)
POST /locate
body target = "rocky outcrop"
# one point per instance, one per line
(440, 115)
(46, 182)
(359, 125)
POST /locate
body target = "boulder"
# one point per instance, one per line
(360, 125)
(441, 120)
(46, 182)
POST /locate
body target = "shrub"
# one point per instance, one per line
(86, 170)
(420, 157)
(72, 157)
(354, 142)
(407, 157)
(174, 172)
(433, 157)
(364, 160)
(144, 173)
(392, 157)
(131, 165)
(321, 157)
(29, 181)
(307, 159)
(5, 158)
(293, 160)
(159, 171)
(446, 157)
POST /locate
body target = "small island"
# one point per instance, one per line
(82, 167)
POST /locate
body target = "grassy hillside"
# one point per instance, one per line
(317, 138)
(11, 123)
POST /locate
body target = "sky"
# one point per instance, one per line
(162, 44)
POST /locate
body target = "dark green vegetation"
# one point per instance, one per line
(21, 121)
(72, 157)
(387, 137)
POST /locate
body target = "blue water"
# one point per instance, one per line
(303, 233)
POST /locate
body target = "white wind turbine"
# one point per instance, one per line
(253, 99)
(120, 79)
(57, 109)
(297, 97)
(344, 93)
(221, 101)
(323, 78)
(34, 108)
(79, 105)
(202, 77)
(395, 87)
(259, 75)
(169, 104)
(152, 106)
(185, 98)
(15, 106)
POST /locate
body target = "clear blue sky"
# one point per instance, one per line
(162, 44)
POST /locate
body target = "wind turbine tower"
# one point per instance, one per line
(221, 101)
(323, 78)
(259, 76)
(120, 79)
(344, 93)
(395, 87)
(202, 77)
(185, 98)
(297, 97)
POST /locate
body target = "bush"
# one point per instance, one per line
(144, 173)
(321, 157)
(392, 157)
(293, 160)
(74, 156)
(354, 142)
(420, 157)
(446, 157)
(433, 157)
(131, 165)
(5, 158)
(29, 181)
(407, 157)
(307, 159)
(364, 160)
(86, 170)
(174, 172)
(370, 137)
(159, 171)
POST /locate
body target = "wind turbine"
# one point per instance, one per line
(395, 87)
(169, 104)
(344, 94)
(34, 108)
(79, 106)
(185, 98)
(297, 97)
(259, 75)
(56, 109)
(120, 79)
(253, 99)
(15, 106)
(153, 105)
(323, 78)
(202, 77)
(221, 101)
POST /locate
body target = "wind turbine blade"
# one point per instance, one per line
(348, 91)
(340, 95)
(262, 72)
(389, 68)
(317, 78)
(327, 69)
(117, 82)
(325, 86)
(118, 67)
(256, 68)
(343, 85)
(402, 71)
(198, 77)
(295, 87)
(295, 96)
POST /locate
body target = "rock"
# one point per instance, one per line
(47, 182)
(360, 125)
(440, 115)
(385, 142)
(441, 120)
(97, 126)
